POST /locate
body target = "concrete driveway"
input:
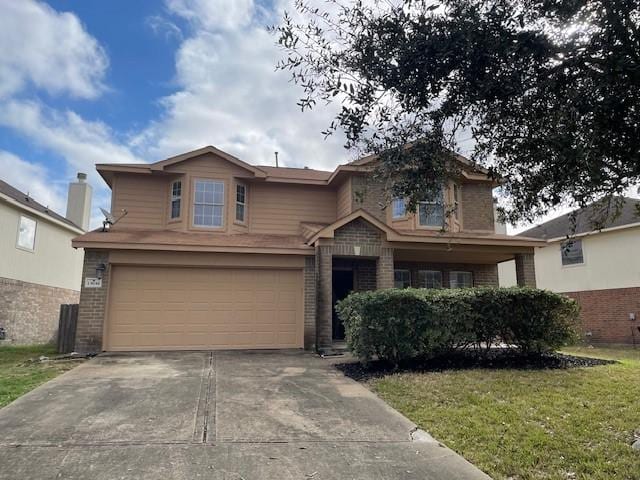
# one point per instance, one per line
(220, 415)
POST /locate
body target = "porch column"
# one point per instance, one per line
(384, 268)
(525, 270)
(324, 270)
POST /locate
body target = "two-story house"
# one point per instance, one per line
(215, 253)
(39, 270)
(600, 268)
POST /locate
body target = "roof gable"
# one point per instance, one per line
(162, 164)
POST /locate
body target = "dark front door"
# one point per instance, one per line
(342, 286)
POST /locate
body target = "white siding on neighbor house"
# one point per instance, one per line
(611, 260)
(53, 262)
(507, 274)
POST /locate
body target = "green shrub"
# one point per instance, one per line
(395, 324)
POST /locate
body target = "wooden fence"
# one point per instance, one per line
(67, 325)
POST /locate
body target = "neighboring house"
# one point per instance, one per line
(600, 269)
(215, 253)
(39, 269)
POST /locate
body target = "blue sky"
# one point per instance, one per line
(88, 81)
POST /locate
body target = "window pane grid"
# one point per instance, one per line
(401, 278)
(209, 203)
(431, 212)
(460, 279)
(176, 196)
(241, 195)
(571, 252)
(398, 208)
(430, 278)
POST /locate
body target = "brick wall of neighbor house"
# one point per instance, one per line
(368, 195)
(605, 313)
(92, 304)
(477, 207)
(29, 312)
(483, 275)
(310, 303)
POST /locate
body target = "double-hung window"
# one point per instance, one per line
(571, 252)
(26, 233)
(176, 198)
(429, 279)
(431, 211)
(460, 279)
(398, 208)
(208, 207)
(401, 278)
(241, 202)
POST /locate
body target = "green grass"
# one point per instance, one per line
(18, 375)
(555, 424)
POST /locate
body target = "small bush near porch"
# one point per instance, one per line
(399, 324)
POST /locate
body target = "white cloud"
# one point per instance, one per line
(34, 179)
(82, 143)
(49, 50)
(230, 95)
(214, 15)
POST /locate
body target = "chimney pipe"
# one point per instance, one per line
(276, 159)
(79, 202)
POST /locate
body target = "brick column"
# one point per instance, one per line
(324, 318)
(310, 303)
(525, 270)
(92, 304)
(384, 268)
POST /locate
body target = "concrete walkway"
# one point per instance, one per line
(227, 415)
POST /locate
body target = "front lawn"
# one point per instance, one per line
(18, 374)
(531, 424)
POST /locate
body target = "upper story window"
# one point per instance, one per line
(241, 202)
(208, 207)
(430, 278)
(176, 198)
(460, 279)
(398, 208)
(431, 212)
(571, 252)
(26, 233)
(401, 278)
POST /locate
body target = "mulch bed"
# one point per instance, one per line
(496, 359)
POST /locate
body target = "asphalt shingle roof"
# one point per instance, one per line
(27, 201)
(562, 225)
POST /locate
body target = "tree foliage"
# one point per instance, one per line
(547, 91)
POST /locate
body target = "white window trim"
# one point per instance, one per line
(173, 198)
(246, 197)
(424, 202)
(401, 270)
(393, 213)
(428, 270)
(193, 205)
(35, 234)
(574, 265)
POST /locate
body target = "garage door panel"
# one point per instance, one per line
(197, 308)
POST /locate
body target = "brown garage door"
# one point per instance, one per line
(168, 308)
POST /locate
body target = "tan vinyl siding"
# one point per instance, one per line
(344, 204)
(279, 209)
(144, 198)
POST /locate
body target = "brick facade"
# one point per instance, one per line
(368, 195)
(525, 270)
(605, 315)
(91, 313)
(29, 312)
(483, 275)
(310, 303)
(477, 207)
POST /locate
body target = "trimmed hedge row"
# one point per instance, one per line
(398, 324)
